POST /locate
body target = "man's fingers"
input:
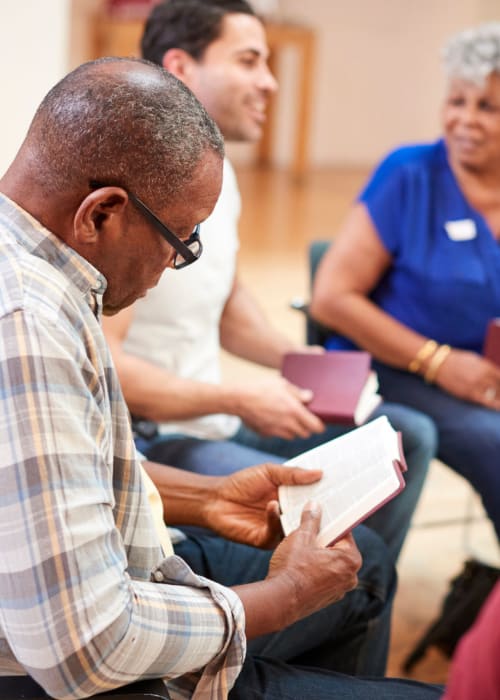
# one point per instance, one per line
(304, 395)
(346, 542)
(305, 422)
(348, 545)
(310, 520)
(274, 523)
(295, 475)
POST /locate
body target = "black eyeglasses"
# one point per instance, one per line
(186, 252)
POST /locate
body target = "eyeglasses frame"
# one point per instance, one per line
(181, 247)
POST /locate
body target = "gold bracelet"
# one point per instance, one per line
(427, 349)
(436, 361)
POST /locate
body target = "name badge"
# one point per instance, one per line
(461, 230)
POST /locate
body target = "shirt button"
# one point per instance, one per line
(158, 576)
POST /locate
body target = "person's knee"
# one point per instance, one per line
(422, 435)
(419, 432)
(377, 575)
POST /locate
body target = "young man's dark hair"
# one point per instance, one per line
(190, 25)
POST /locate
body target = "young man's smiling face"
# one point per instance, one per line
(232, 79)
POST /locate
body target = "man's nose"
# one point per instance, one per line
(267, 80)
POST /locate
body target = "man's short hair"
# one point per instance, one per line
(120, 121)
(190, 25)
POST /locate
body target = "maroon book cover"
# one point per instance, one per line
(342, 382)
(491, 348)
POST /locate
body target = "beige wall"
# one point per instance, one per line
(33, 56)
(378, 79)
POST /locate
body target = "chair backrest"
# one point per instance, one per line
(25, 688)
(316, 334)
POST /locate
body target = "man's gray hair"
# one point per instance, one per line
(473, 54)
(120, 121)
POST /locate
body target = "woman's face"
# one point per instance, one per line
(471, 123)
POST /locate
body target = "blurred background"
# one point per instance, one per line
(376, 82)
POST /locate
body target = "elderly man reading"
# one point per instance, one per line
(90, 598)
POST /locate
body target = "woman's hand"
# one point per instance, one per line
(471, 377)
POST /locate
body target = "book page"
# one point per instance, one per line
(369, 399)
(358, 475)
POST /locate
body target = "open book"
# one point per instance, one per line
(362, 470)
(344, 386)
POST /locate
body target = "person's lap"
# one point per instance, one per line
(246, 448)
(275, 680)
(216, 457)
(419, 445)
(313, 657)
(350, 636)
(468, 434)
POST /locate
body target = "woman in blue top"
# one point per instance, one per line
(414, 275)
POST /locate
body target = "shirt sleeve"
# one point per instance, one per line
(71, 614)
(384, 197)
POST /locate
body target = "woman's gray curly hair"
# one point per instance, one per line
(473, 54)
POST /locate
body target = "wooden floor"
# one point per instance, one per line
(279, 219)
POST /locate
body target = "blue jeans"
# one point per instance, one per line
(468, 434)
(247, 448)
(266, 679)
(306, 660)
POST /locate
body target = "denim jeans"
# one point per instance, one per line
(468, 434)
(247, 448)
(351, 636)
(308, 659)
(266, 679)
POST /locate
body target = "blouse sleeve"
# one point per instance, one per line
(384, 198)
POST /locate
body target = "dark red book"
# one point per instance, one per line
(491, 348)
(344, 386)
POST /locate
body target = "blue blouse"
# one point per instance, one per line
(444, 281)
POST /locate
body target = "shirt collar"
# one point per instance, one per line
(41, 242)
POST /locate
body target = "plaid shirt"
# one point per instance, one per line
(87, 601)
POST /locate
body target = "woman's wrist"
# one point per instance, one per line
(424, 354)
(435, 363)
(428, 360)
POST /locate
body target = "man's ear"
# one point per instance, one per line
(179, 63)
(102, 211)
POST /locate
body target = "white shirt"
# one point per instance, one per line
(176, 326)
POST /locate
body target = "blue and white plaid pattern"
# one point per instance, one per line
(86, 600)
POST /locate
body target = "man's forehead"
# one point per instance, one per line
(200, 194)
(242, 33)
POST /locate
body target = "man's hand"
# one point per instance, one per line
(277, 408)
(244, 506)
(319, 575)
(303, 578)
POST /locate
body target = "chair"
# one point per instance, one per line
(25, 688)
(316, 334)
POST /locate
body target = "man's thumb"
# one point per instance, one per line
(310, 520)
